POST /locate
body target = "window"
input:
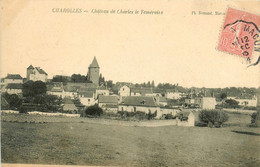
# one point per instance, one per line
(134, 109)
(122, 109)
(88, 100)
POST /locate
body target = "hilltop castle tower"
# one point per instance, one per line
(93, 72)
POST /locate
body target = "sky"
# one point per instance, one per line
(174, 47)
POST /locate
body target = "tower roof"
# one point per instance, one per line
(94, 63)
(30, 67)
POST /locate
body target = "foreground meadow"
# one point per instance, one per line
(82, 141)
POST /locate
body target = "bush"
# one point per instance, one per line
(23, 110)
(201, 124)
(169, 116)
(139, 115)
(213, 117)
(94, 110)
(255, 119)
(249, 108)
(14, 101)
(230, 103)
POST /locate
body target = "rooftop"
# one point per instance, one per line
(87, 94)
(94, 63)
(56, 89)
(107, 99)
(14, 86)
(41, 71)
(139, 101)
(14, 76)
(142, 91)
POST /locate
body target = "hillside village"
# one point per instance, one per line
(75, 96)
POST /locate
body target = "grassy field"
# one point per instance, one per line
(81, 141)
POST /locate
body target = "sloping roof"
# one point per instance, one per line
(245, 96)
(94, 63)
(87, 94)
(71, 88)
(162, 99)
(14, 76)
(108, 99)
(87, 89)
(41, 71)
(4, 103)
(14, 86)
(142, 90)
(158, 91)
(30, 67)
(69, 105)
(171, 90)
(139, 101)
(56, 89)
(82, 85)
(101, 88)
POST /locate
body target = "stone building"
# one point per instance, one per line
(36, 74)
(93, 72)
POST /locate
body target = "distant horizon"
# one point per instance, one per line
(156, 83)
(174, 47)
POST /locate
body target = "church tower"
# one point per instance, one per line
(93, 72)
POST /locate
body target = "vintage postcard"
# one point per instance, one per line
(130, 83)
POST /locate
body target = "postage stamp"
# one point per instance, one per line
(240, 33)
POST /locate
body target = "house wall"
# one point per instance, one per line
(104, 104)
(101, 92)
(110, 109)
(138, 108)
(154, 94)
(163, 103)
(87, 101)
(69, 94)
(7, 81)
(59, 94)
(135, 94)
(173, 95)
(163, 111)
(250, 102)
(208, 103)
(190, 101)
(36, 76)
(124, 91)
(14, 91)
(189, 123)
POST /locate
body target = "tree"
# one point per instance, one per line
(152, 84)
(52, 102)
(212, 117)
(94, 110)
(44, 103)
(27, 89)
(78, 78)
(232, 103)
(39, 87)
(255, 118)
(148, 84)
(223, 96)
(110, 84)
(31, 89)
(101, 80)
(13, 100)
(60, 78)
